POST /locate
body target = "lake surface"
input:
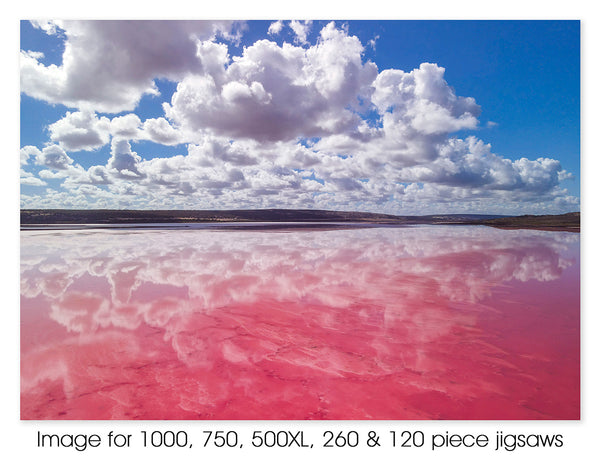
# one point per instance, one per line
(427, 322)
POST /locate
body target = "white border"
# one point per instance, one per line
(18, 437)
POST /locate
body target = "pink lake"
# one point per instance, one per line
(427, 322)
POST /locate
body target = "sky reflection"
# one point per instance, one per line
(411, 323)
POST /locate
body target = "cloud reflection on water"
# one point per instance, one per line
(251, 324)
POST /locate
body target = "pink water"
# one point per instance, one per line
(391, 323)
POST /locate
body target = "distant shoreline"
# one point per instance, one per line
(566, 222)
(281, 218)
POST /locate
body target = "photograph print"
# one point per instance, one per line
(299, 220)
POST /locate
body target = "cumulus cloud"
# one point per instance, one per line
(127, 127)
(98, 175)
(108, 65)
(81, 130)
(124, 161)
(26, 152)
(159, 130)
(470, 164)
(275, 28)
(50, 27)
(29, 179)
(273, 92)
(291, 125)
(53, 157)
(33, 181)
(301, 29)
(419, 109)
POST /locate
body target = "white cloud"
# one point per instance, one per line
(26, 152)
(278, 126)
(29, 179)
(108, 65)
(275, 28)
(127, 127)
(33, 181)
(373, 42)
(53, 175)
(124, 160)
(33, 54)
(81, 130)
(160, 131)
(50, 27)
(422, 102)
(276, 92)
(301, 29)
(53, 157)
(98, 175)
(470, 164)
(465, 177)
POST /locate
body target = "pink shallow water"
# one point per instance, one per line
(390, 323)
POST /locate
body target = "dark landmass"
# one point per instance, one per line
(566, 222)
(43, 217)
(229, 216)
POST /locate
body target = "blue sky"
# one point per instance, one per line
(402, 117)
